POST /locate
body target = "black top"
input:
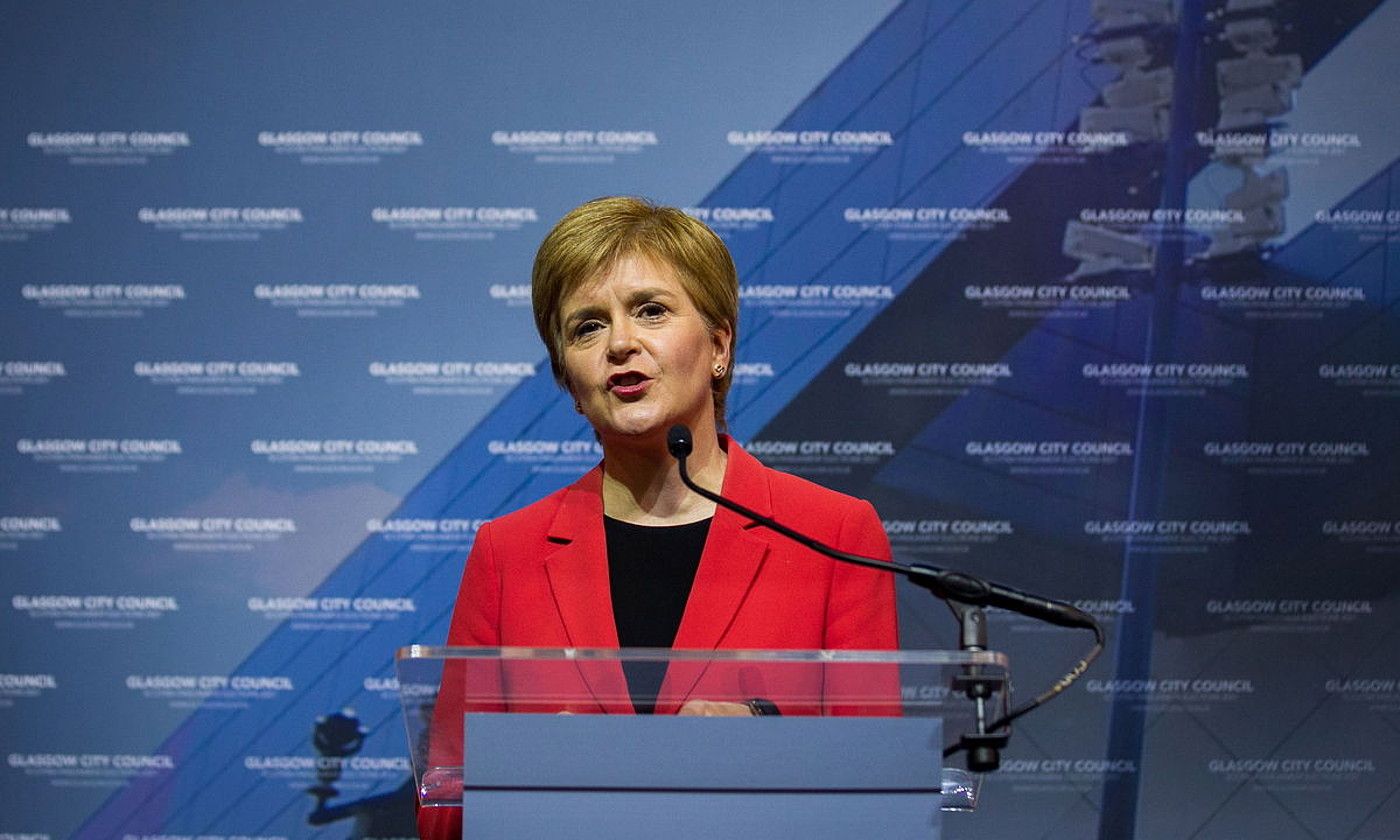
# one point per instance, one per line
(651, 569)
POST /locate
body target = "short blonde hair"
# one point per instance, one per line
(592, 237)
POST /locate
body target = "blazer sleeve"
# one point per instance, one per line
(476, 616)
(861, 616)
(860, 611)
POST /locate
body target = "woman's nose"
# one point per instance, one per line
(622, 340)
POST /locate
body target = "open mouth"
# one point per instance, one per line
(628, 384)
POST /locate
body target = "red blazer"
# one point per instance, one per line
(538, 577)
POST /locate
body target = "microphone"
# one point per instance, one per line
(679, 444)
(946, 584)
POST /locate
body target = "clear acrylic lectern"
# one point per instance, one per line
(550, 741)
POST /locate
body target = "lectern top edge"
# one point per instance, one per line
(897, 657)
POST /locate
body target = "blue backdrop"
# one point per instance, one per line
(1095, 299)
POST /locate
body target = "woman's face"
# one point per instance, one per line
(638, 356)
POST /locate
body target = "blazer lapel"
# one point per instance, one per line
(729, 564)
(578, 580)
(728, 567)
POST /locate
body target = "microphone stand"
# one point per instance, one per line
(965, 594)
(983, 747)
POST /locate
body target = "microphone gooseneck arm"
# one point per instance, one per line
(955, 587)
(679, 444)
(946, 584)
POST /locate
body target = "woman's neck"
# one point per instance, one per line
(644, 486)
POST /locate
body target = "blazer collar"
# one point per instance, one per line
(578, 577)
(581, 510)
(578, 570)
(732, 555)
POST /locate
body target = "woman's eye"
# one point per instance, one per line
(651, 310)
(586, 328)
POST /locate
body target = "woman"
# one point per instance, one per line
(638, 306)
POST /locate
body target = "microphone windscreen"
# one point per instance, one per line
(678, 441)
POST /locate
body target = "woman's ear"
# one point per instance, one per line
(723, 338)
(569, 389)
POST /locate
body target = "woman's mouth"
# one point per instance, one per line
(629, 384)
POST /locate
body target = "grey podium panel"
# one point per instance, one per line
(637, 815)
(587, 776)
